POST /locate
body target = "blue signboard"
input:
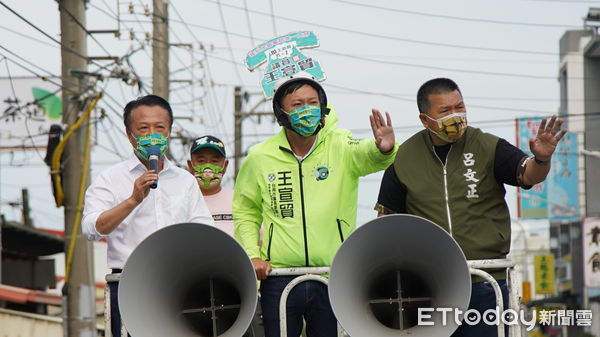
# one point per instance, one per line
(532, 202)
(563, 192)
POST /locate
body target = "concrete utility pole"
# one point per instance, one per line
(238, 119)
(80, 290)
(237, 130)
(160, 49)
(25, 208)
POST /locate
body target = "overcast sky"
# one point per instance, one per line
(503, 55)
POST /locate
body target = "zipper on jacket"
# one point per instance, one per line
(302, 204)
(339, 222)
(446, 197)
(270, 240)
(303, 215)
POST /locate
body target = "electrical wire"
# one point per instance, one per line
(61, 7)
(379, 61)
(71, 50)
(44, 78)
(161, 72)
(414, 65)
(249, 24)
(228, 41)
(366, 92)
(392, 38)
(12, 87)
(412, 100)
(273, 17)
(212, 97)
(29, 37)
(458, 18)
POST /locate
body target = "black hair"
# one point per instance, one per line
(148, 100)
(434, 86)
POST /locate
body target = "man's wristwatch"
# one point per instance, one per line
(541, 162)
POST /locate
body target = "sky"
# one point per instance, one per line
(376, 54)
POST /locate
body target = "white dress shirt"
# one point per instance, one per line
(177, 199)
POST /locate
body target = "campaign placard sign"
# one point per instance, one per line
(285, 60)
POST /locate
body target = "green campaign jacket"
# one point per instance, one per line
(307, 208)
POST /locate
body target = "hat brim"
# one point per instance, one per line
(208, 145)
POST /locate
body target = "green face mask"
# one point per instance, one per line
(145, 141)
(208, 175)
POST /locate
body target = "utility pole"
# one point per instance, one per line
(238, 119)
(237, 129)
(160, 49)
(25, 208)
(79, 289)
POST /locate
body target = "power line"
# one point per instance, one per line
(212, 97)
(63, 8)
(393, 38)
(379, 61)
(459, 18)
(112, 16)
(71, 50)
(569, 1)
(237, 71)
(147, 53)
(409, 99)
(29, 37)
(249, 24)
(166, 46)
(44, 78)
(414, 65)
(488, 123)
(184, 65)
(273, 17)
(12, 87)
(412, 100)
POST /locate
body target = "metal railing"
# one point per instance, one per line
(315, 274)
(111, 278)
(513, 283)
(305, 274)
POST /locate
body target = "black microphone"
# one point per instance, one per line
(153, 155)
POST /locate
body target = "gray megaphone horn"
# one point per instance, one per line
(187, 280)
(389, 268)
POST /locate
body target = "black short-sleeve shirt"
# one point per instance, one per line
(392, 192)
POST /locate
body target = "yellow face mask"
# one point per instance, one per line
(450, 128)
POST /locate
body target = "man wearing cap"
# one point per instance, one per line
(301, 186)
(120, 204)
(208, 163)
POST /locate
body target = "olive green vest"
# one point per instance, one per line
(463, 197)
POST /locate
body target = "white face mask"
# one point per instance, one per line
(450, 128)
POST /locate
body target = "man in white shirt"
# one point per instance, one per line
(120, 204)
(208, 163)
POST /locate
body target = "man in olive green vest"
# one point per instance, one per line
(454, 175)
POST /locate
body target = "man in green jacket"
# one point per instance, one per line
(301, 186)
(454, 175)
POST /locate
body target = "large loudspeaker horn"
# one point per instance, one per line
(187, 280)
(390, 267)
